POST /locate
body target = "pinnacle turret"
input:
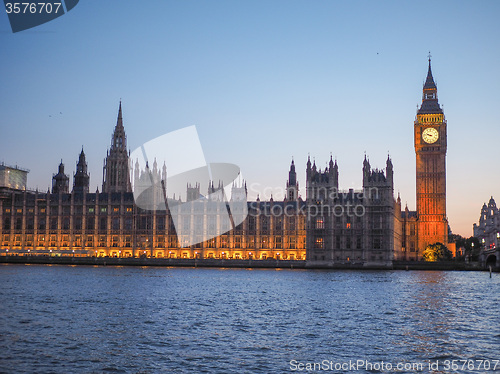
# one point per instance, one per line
(116, 174)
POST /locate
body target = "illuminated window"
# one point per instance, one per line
(91, 210)
(318, 243)
(103, 209)
(320, 223)
(348, 225)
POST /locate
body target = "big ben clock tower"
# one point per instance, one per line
(430, 149)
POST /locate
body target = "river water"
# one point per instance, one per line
(84, 319)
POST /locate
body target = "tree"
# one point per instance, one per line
(436, 252)
(471, 246)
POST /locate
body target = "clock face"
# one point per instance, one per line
(430, 135)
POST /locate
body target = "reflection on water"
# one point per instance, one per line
(148, 320)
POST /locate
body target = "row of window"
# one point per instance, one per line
(160, 242)
(349, 243)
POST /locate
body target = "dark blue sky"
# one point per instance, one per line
(263, 81)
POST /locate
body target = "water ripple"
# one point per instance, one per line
(58, 319)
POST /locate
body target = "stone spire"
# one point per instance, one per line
(116, 165)
(60, 181)
(429, 81)
(292, 186)
(81, 178)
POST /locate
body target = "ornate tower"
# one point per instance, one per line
(430, 149)
(60, 181)
(292, 186)
(116, 170)
(81, 177)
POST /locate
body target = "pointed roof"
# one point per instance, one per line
(429, 81)
(82, 156)
(119, 121)
(430, 103)
(61, 167)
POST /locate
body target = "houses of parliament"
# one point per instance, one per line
(365, 227)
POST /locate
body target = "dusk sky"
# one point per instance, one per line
(263, 81)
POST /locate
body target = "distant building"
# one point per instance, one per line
(488, 229)
(13, 177)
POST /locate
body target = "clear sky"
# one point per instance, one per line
(263, 81)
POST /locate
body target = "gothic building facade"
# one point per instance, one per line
(109, 223)
(353, 226)
(330, 227)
